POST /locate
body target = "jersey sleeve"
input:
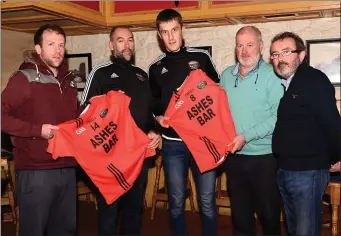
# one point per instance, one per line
(58, 146)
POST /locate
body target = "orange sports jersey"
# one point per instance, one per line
(200, 114)
(106, 143)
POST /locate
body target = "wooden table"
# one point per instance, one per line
(333, 190)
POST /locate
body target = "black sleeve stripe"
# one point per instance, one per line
(159, 58)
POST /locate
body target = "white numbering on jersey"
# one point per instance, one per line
(80, 130)
(179, 104)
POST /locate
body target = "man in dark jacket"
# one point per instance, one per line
(37, 97)
(120, 74)
(306, 136)
(166, 74)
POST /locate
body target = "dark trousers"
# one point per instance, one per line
(302, 193)
(47, 202)
(252, 188)
(124, 216)
(176, 161)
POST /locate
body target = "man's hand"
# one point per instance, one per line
(46, 131)
(335, 167)
(154, 140)
(161, 120)
(238, 142)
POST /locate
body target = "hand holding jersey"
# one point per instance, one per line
(46, 130)
(238, 142)
(200, 114)
(162, 120)
(155, 140)
(106, 142)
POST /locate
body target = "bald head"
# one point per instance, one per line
(249, 46)
(250, 30)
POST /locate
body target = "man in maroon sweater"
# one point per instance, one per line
(40, 95)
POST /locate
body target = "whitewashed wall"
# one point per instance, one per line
(221, 39)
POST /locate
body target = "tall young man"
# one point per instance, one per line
(166, 74)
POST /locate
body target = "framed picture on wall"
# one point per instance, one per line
(81, 65)
(324, 54)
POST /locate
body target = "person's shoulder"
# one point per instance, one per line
(266, 67)
(228, 71)
(102, 67)
(198, 51)
(266, 70)
(317, 78)
(140, 70)
(312, 75)
(157, 61)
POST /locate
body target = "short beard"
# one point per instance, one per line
(292, 68)
(252, 62)
(49, 62)
(118, 56)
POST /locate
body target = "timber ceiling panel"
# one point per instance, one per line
(65, 23)
(98, 17)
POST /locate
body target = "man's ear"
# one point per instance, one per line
(158, 33)
(111, 46)
(261, 46)
(38, 49)
(302, 56)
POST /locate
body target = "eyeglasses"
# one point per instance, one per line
(285, 53)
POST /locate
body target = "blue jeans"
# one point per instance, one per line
(302, 193)
(176, 161)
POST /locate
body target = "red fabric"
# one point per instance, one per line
(200, 114)
(107, 144)
(136, 6)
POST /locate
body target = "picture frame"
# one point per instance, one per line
(207, 48)
(80, 64)
(324, 54)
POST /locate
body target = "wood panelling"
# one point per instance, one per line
(93, 5)
(98, 17)
(225, 2)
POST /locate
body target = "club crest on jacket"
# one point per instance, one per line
(193, 65)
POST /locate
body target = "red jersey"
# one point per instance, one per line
(200, 114)
(106, 143)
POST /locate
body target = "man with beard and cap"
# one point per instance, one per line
(120, 74)
(40, 95)
(254, 92)
(306, 139)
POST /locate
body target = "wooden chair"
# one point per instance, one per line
(8, 197)
(222, 199)
(333, 190)
(161, 194)
(85, 193)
